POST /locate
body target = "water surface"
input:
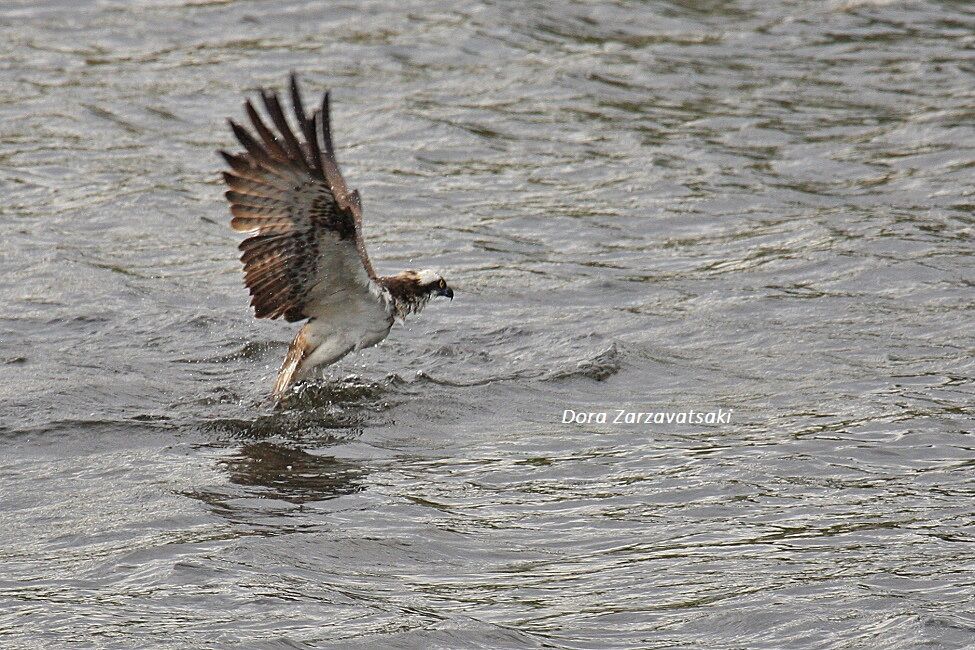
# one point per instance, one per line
(651, 206)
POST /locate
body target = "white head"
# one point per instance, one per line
(426, 277)
(411, 289)
(432, 283)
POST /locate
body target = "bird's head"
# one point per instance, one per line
(433, 284)
(411, 290)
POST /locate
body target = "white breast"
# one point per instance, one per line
(348, 320)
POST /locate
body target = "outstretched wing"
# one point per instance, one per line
(306, 247)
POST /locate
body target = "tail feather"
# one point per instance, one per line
(299, 351)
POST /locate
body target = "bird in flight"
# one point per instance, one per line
(305, 258)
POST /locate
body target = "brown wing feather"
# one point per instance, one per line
(289, 193)
(349, 200)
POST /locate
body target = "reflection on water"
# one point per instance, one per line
(269, 487)
(291, 474)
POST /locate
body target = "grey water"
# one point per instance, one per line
(762, 208)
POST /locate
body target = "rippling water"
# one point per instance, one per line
(765, 207)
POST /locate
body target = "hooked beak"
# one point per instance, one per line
(447, 292)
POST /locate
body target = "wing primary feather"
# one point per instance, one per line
(254, 149)
(291, 145)
(265, 133)
(258, 164)
(326, 128)
(237, 163)
(307, 129)
(329, 167)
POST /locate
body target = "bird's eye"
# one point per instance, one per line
(442, 284)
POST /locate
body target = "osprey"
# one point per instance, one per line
(305, 258)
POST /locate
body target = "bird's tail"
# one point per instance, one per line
(289, 373)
